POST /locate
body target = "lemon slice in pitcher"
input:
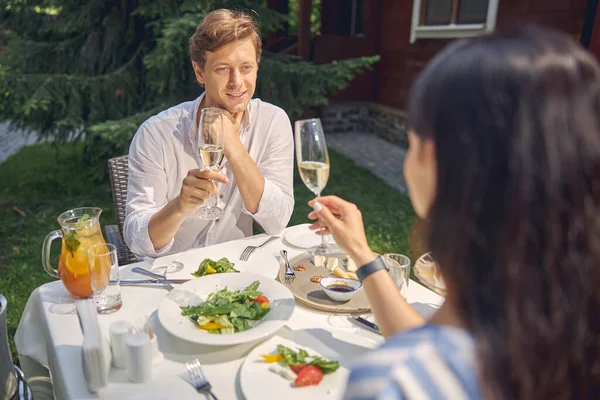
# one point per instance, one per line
(77, 263)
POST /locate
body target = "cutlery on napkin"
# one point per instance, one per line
(96, 350)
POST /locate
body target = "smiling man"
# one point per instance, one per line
(167, 181)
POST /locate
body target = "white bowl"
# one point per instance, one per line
(336, 295)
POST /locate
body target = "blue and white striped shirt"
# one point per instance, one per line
(431, 362)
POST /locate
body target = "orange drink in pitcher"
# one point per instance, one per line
(80, 230)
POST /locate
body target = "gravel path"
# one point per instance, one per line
(384, 159)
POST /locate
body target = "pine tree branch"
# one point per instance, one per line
(73, 77)
(99, 83)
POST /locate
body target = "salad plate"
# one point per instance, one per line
(240, 308)
(256, 374)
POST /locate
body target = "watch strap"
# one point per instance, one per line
(370, 268)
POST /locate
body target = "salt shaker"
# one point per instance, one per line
(140, 357)
(118, 333)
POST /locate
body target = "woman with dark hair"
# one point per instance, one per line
(504, 163)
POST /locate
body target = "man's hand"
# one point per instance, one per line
(196, 188)
(250, 181)
(231, 128)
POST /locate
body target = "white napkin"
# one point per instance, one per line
(184, 297)
(96, 349)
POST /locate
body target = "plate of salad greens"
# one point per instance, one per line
(209, 267)
(231, 308)
(292, 371)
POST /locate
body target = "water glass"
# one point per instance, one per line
(104, 276)
(399, 269)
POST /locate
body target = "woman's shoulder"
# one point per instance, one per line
(428, 362)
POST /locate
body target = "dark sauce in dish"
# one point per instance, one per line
(340, 288)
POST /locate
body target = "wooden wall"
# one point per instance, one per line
(388, 32)
(330, 45)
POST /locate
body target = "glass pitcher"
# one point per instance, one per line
(80, 229)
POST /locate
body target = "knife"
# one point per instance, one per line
(130, 282)
(151, 274)
(367, 324)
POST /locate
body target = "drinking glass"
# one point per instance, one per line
(313, 162)
(104, 277)
(399, 270)
(211, 142)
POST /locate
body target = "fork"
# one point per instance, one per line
(198, 378)
(248, 250)
(289, 274)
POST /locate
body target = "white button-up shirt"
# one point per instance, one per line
(165, 148)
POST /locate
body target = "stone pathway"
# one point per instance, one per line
(11, 141)
(384, 159)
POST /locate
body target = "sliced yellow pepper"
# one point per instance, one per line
(264, 305)
(211, 326)
(210, 270)
(272, 358)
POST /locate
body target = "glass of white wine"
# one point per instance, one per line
(313, 162)
(211, 142)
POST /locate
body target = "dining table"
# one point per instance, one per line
(49, 337)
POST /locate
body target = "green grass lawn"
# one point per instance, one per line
(42, 181)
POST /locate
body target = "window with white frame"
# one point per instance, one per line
(452, 18)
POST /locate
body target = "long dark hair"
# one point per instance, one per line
(515, 225)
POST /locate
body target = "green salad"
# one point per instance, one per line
(301, 357)
(208, 266)
(229, 311)
(299, 366)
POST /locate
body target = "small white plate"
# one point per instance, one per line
(304, 239)
(281, 301)
(255, 376)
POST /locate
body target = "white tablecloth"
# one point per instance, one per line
(49, 334)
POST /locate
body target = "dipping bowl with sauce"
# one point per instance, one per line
(340, 289)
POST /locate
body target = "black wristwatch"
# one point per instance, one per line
(370, 268)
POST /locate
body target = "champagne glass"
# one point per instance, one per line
(313, 162)
(211, 142)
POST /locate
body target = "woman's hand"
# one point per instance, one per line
(343, 220)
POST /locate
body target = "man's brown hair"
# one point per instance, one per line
(221, 27)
